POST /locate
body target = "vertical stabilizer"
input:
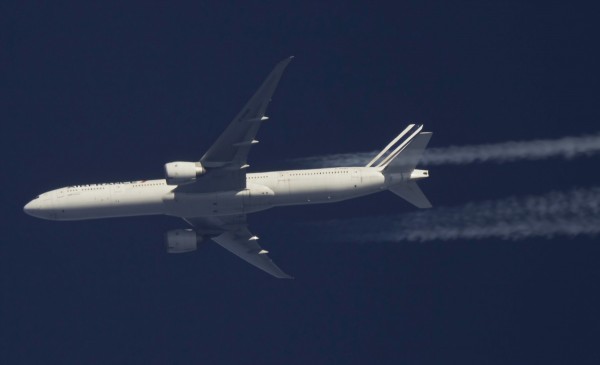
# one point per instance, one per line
(406, 160)
(399, 165)
(386, 151)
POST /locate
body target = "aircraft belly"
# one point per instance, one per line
(328, 189)
(203, 205)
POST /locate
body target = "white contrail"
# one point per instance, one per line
(566, 147)
(572, 213)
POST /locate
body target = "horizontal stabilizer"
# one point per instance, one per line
(411, 192)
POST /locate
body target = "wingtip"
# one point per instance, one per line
(281, 66)
(287, 60)
(282, 275)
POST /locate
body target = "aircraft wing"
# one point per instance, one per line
(226, 160)
(231, 232)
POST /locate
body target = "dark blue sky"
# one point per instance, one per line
(110, 92)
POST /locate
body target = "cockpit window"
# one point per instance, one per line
(37, 197)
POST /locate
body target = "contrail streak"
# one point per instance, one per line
(569, 214)
(566, 147)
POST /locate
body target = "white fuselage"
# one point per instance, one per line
(263, 191)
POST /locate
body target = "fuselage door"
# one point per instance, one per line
(356, 178)
(283, 183)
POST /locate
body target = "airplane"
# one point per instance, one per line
(215, 194)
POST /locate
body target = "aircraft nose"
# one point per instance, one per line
(30, 207)
(42, 207)
(33, 208)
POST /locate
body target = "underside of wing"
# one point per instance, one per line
(226, 160)
(233, 144)
(243, 244)
(231, 232)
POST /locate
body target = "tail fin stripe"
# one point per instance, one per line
(400, 148)
(390, 145)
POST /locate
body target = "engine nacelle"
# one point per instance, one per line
(179, 173)
(182, 241)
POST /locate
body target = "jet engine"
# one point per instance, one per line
(182, 241)
(179, 173)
